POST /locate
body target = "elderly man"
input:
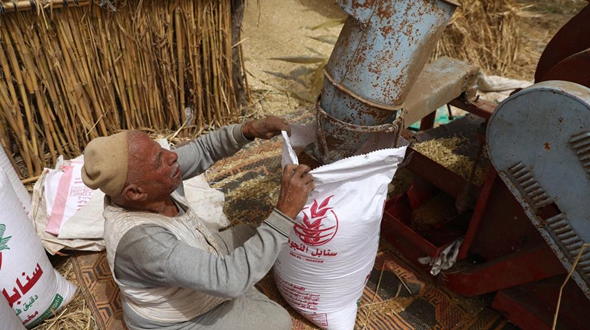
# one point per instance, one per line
(174, 273)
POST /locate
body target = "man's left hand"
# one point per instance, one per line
(265, 128)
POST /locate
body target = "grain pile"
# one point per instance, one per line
(435, 211)
(253, 200)
(443, 150)
(402, 181)
(250, 196)
(68, 75)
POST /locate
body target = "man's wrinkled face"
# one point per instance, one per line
(152, 167)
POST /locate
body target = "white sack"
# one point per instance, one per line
(65, 193)
(86, 223)
(323, 271)
(8, 318)
(496, 88)
(206, 202)
(18, 187)
(33, 289)
(488, 84)
(55, 244)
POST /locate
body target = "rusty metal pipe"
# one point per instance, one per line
(380, 52)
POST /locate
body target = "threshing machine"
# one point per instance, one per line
(526, 228)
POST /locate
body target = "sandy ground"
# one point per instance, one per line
(275, 29)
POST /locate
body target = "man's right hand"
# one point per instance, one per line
(296, 185)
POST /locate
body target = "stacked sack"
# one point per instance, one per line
(30, 286)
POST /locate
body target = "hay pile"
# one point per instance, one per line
(71, 74)
(484, 33)
(75, 315)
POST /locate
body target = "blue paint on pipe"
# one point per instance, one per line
(380, 52)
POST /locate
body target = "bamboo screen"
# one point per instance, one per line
(68, 75)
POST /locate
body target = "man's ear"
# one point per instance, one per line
(134, 193)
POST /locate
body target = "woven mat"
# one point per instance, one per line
(395, 297)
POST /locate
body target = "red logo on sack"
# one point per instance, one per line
(313, 230)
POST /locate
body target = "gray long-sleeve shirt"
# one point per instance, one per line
(151, 256)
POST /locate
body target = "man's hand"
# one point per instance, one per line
(296, 185)
(265, 128)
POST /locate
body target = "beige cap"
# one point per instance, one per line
(106, 162)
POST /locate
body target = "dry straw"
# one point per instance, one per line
(75, 315)
(69, 75)
(485, 34)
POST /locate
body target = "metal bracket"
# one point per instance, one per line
(385, 128)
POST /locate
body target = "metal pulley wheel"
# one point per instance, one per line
(539, 142)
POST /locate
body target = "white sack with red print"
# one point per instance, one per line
(8, 318)
(28, 282)
(331, 251)
(19, 188)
